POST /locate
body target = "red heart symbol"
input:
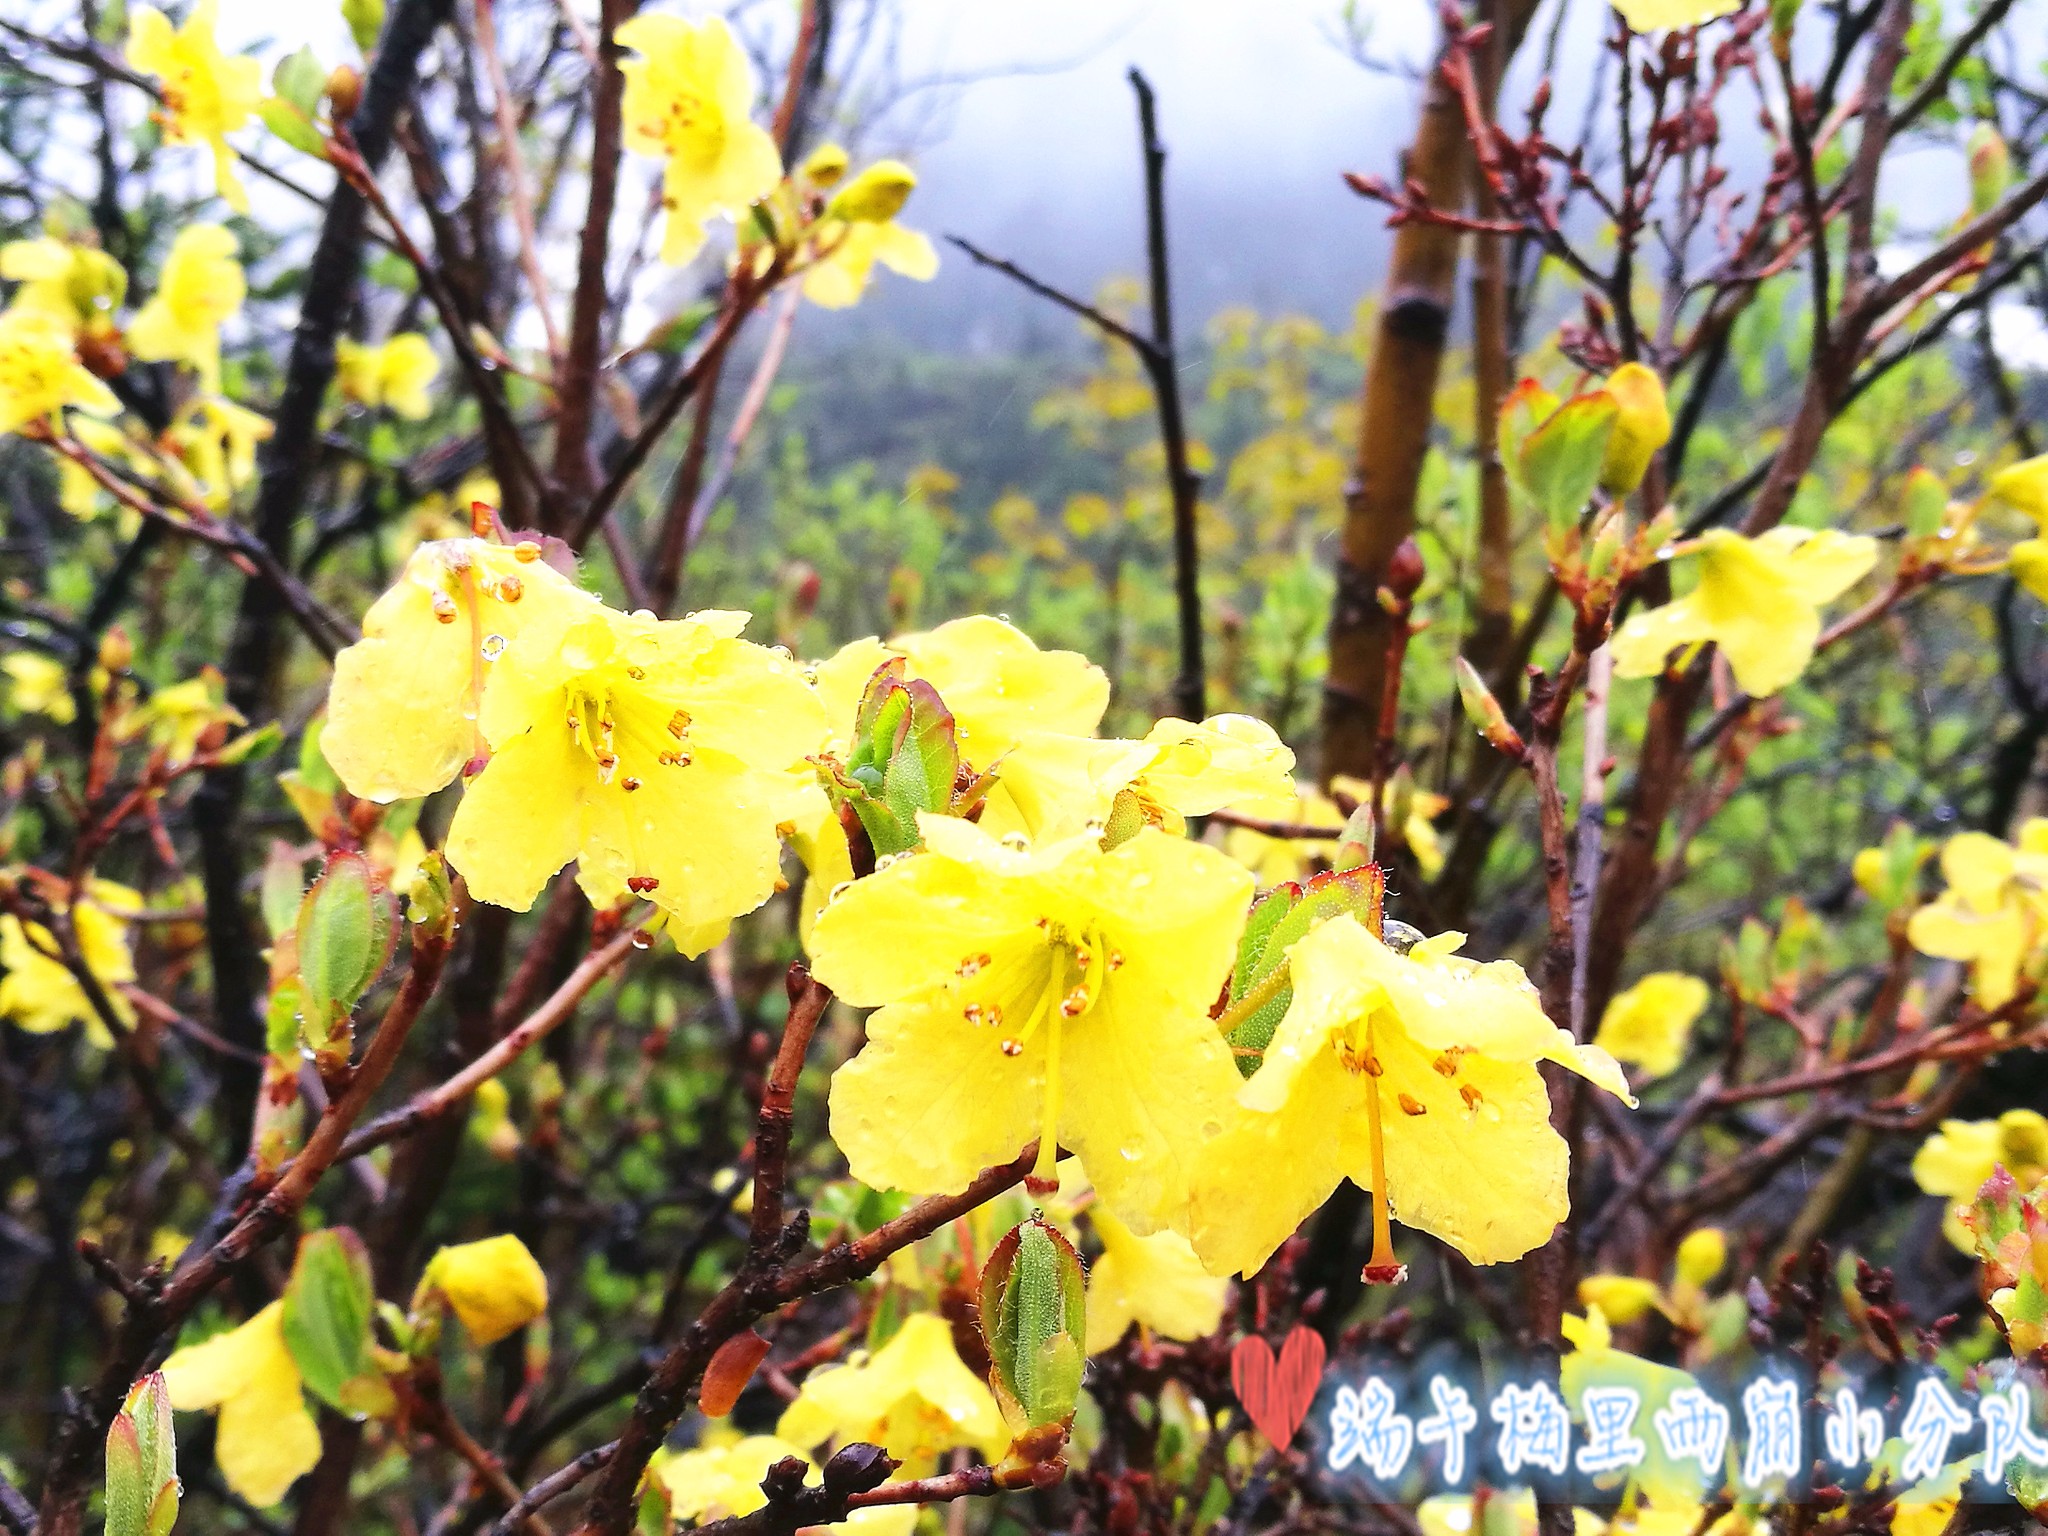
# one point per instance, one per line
(1277, 1393)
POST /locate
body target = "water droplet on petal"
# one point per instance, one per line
(1016, 842)
(493, 647)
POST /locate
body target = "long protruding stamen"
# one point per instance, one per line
(1044, 1177)
(1382, 1268)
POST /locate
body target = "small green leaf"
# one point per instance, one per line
(1284, 916)
(1558, 464)
(292, 125)
(327, 1309)
(300, 80)
(347, 927)
(365, 20)
(1033, 1319)
(142, 1463)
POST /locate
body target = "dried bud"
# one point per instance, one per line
(1032, 1317)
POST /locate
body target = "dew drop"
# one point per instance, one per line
(1212, 1128)
(642, 939)
(493, 647)
(1016, 842)
(838, 891)
(1131, 1152)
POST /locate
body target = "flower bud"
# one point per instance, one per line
(142, 1463)
(824, 165)
(904, 759)
(1484, 711)
(1701, 1257)
(494, 1286)
(344, 91)
(1033, 1321)
(1642, 425)
(1990, 168)
(876, 195)
(1622, 1299)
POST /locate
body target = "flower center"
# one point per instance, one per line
(1041, 987)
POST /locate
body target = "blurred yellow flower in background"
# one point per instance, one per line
(1650, 1024)
(39, 992)
(858, 230)
(913, 1397)
(1155, 1281)
(393, 374)
(689, 99)
(1991, 912)
(1957, 1159)
(207, 94)
(200, 288)
(40, 373)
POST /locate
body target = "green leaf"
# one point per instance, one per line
(300, 80)
(347, 928)
(1033, 1319)
(365, 20)
(292, 125)
(327, 1309)
(142, 1463)
(1558, 464)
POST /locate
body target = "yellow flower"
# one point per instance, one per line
(39, 685)
(1758, 599)
(2023, 486)
(201, 287)
(401, 714)
(79, 286)
(266, 1438)
(394, 374)
(1991, 912)
(1414, 1076)
(218, 439)
(207, 94)
(1701, 1256)
(1620, 1298)
(40, 373)
(1661, 15)
(494, 1286)
(1957, 1159)
(1642, 425)
(176, 717)
(718, 1480)
(1057, 992)
(1155, 1281)
(39, 992)
(689, 97)
(1052, 784)
(913, 1397)
(858, 229)
(997, 684)
(1928, 1507)
(1650, 1024)
(1277, 860)
(659, 755)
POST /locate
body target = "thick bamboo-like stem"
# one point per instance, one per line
(1396, 412)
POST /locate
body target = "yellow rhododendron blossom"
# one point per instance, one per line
(1055, 992)
(1758, 599)
(78, 286)
(1650, 1024)
(1991, 913)
(689, 99)
(266, 1439)
(2023, 486)
(1154, 1281)
(1414, 1076)
(401, 715)
(1956, 1160)
(494, 1285)
(217, 439)
(913, 1397)
(201, 287)
(40, 994)
(722, 1479)
(852, 251)
(39, 685)
(174, 718)
(207, 94)
(1620, 1298)
(660, 755)
(859, 229)
(393, 374)
(1051, 784)
(995, 681)
(40, 373)
(1662, 15)
(1277, 860)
